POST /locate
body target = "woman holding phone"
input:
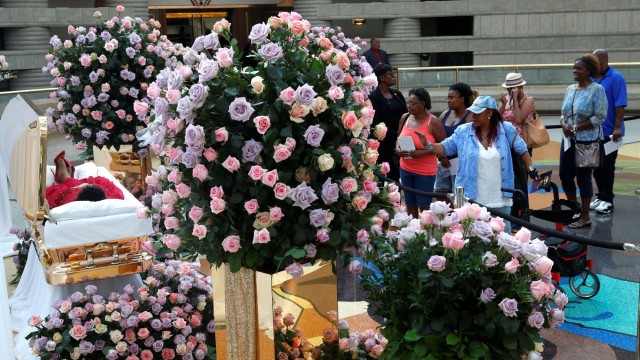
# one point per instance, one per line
(418, 167)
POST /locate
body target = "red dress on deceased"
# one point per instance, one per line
(67, 191)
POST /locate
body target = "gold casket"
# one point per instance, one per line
(79, 241)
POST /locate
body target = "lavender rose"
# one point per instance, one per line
(302, 196)
(305, 94)
(536, 320)
(189, 159)
(194, 136)
(330, 192)
(482, 230)
(240, 109)
(211, 41)
(174, 80)
(487, 295)
(251, 151)
(334, 74)
(490, 259)
(509, 307)
(270, 52)
(185, 109)
(259, 33)
(208, 69)
(313, 135)
(436, 263)
(318, 217)
(198, 94)
(509, 243)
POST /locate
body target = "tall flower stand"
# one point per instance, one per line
(125, 161)
(247, 304)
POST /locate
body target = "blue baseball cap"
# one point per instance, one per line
(483, 103)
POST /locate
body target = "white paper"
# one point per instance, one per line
(455, 163)
(566, 142)
(611, 146)
(406, 143)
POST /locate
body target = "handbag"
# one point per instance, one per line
(588, 154)
(520, 172)
(534, 132)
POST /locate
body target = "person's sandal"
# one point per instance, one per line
(579, 224)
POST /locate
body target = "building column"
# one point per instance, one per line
(402, 28)
(133, 8)
(28, 40)
(309, 11)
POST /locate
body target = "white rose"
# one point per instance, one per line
(257, 84)
(325, 162)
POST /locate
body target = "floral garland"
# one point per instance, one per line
(266, 166)
(100, 73)
(6, 74)
(172, 316)
(22, 249)
(453, 285)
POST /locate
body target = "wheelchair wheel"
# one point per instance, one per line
(585, 285)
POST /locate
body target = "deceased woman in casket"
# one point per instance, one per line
(67, 189)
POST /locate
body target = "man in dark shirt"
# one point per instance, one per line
(375, 55)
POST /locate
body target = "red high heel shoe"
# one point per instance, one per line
(56, 177)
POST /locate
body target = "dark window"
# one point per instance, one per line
(447, 26)
(447, 59)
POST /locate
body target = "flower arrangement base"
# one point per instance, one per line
(123, 160)
(248, 304)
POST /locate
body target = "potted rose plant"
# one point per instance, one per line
(99, 73)
(453, 285)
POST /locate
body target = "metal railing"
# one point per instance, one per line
(493, 75)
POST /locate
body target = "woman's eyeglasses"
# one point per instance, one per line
(409, 103)
(390, 74)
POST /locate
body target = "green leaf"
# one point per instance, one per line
(296, 253)
(424, 274)
(412, 335)
(421, 350)
(452, 339)
(477, 349)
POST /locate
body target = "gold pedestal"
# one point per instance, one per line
(244, 304)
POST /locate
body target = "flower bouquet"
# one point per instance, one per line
(5, 73)
(453, 285)
(99, 73)
(22, 249)
(168, 318)
(267, 166)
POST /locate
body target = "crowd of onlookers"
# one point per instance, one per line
(475, 141)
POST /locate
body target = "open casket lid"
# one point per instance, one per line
(23, 152)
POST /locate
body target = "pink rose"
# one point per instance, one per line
(144, 333)
(216, 192)
(523, 235)
(543, 265)
(171, 222)
(251, 206)
(261, 236)
(262, 123)
(281, 153)
(210, 154)
(556, 317)
(287, 96)
(200, 172)
(97, 115)
(34, 320)
(359, 202)
(256, 172)
(140, 107)
(322, 235)
(370, 187)
(175, 176)
(231, 164)
(349, 120)
(453, 241)
(78, 332)
(217, 205)
(231, 244)
(497, 224)
(298, 112)
(183, 190)
(153, 91)
(341, 59)
(512, 266)
(142, 212)
(172, 241)
(146, 355)
(270, 177)
(349, 185)
(539, 289)
(119, 8)
(222, 135)
(199, 231)
(173, 96)
(224, 58)
(275, 213)
(121, 114)
(335, 93)
(355, 267)
(281, 191)
(196, 213)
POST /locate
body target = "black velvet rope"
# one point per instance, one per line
(528, 225)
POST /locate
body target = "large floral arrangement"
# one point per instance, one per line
(453, 285)
(22, 251)
(170, 317)
(5, 73)
(266, 166)
(337, 344)
(99, 73)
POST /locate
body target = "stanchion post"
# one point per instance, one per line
(457, 198)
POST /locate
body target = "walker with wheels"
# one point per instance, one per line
(569, 258)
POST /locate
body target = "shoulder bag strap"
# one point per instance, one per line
(403, 121)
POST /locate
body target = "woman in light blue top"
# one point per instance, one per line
(583, 110)
(484, 149)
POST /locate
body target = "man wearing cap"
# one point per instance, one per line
(375, 55)
(484, 149)
(613, 127)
